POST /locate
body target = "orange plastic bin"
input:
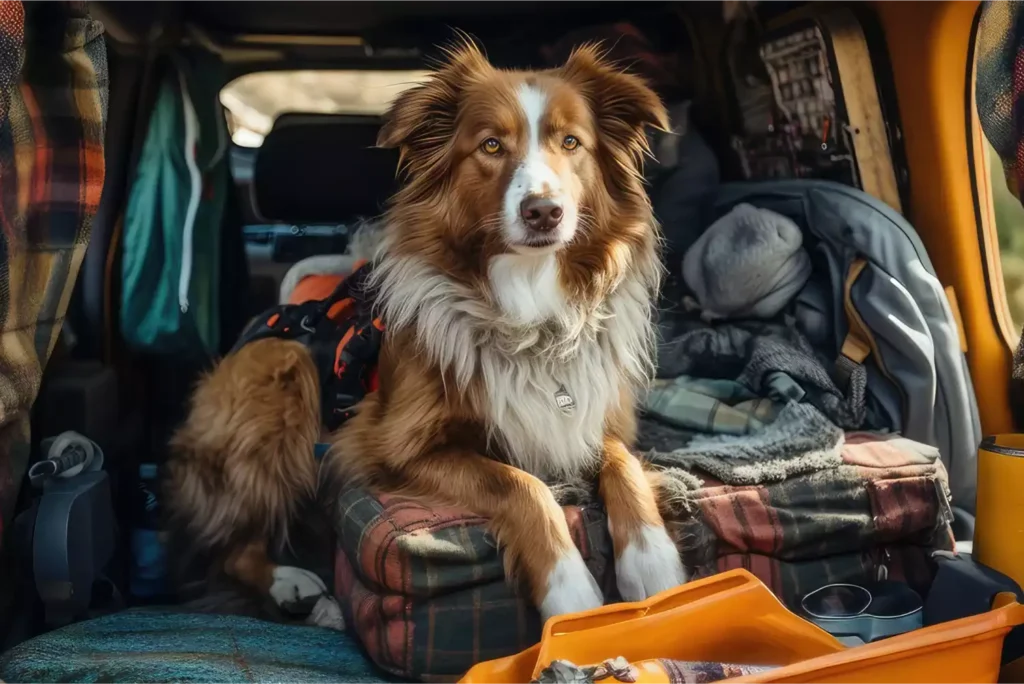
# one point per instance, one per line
(734, 618)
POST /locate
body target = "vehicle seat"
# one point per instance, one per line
(321, 169)
(315, 277)
(165, 645)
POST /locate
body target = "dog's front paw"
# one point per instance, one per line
(327, 613)
(295, 589)
(650, 564)
(570, 588)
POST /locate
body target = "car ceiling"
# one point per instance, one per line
(333, 17)
(399, 31)
(320, 18)
(295, 34)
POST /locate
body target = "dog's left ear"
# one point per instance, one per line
(623, 104)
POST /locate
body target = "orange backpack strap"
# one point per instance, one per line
(858, 343)
(342, 335)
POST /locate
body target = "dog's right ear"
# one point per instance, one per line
(421, 121)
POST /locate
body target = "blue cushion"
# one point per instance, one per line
(162, 645)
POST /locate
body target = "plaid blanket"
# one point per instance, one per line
(53, 96)
(423, 588)
(770, 359)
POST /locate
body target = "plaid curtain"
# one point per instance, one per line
(53, 106)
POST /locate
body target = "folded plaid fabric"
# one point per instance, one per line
(888, 490)
(800, 440)
(53, 99)
(719, 406)
(424, 590)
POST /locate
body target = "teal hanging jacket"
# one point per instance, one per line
(172, 226)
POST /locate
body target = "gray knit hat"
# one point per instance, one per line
(748, 264)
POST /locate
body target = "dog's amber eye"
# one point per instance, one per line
(491, 146)
(570, 142)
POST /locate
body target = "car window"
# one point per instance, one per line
(1009, 220)
(254, 101)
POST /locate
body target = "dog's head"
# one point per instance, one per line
(502, 161)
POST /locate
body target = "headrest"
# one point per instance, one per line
(322, 168)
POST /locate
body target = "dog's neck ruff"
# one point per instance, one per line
(550, 368)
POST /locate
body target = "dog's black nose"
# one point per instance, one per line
(541, 214)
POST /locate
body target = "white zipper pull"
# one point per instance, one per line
(188, 230)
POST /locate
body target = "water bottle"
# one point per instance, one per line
(149, 562)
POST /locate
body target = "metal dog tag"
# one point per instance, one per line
(564, 400)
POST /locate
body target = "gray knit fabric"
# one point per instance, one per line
(800, 440)
(749, 264)
(750, 353)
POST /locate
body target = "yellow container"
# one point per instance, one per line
(734, 618)
(999, 524)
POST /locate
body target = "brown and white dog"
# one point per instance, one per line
(516, 279)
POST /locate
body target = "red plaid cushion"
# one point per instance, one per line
(424, 587)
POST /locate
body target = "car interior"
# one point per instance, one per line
(877, 97)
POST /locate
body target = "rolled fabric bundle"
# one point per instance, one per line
(750, 263)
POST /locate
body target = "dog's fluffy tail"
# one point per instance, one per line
(242, 463)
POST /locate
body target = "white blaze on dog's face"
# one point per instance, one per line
(541, 207)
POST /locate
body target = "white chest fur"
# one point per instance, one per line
(549, 414)
(548, 409)
(550, 370)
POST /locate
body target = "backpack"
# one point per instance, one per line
(343, 336)
(889, 313)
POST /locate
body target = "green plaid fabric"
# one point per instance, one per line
(53, 97)
(719, 406)
(423, 588)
